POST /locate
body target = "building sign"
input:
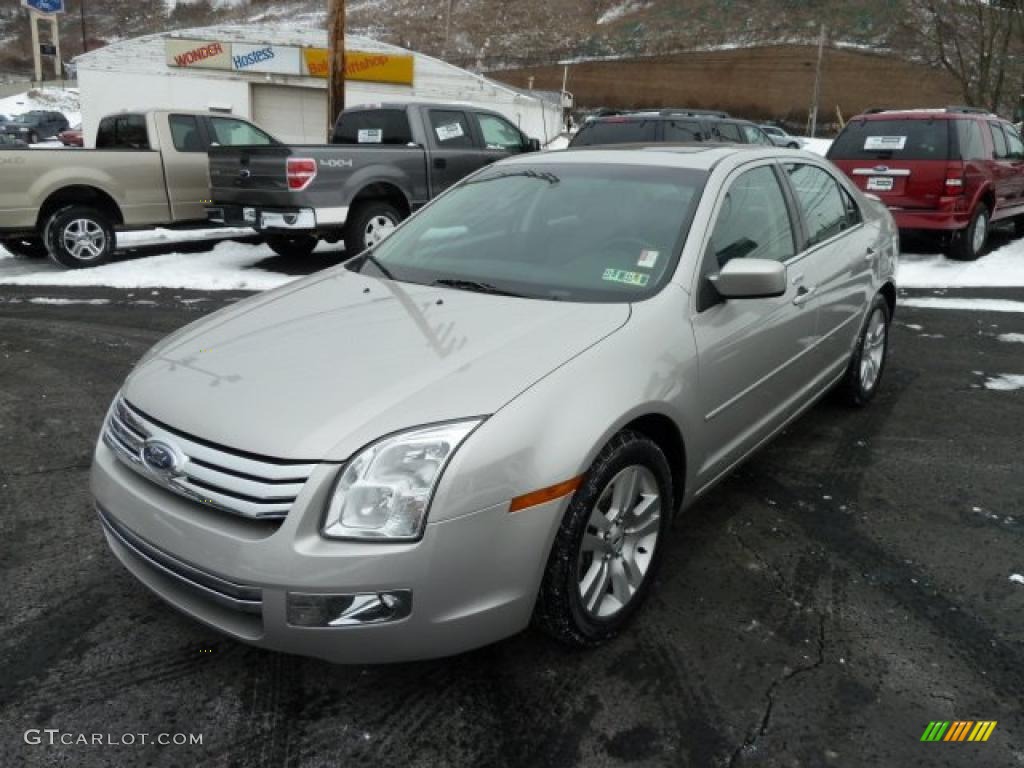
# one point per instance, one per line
(360, 65)
(47, 7)
(266, 58)
(198, 54)
(287, 60)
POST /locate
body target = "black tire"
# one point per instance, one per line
(93, 223)
(964, 245)
(856, 388)
(560, 609)
(1018, 226)
(25, 247)
(292, 246)
(793, 145)
(358, 236)
(33, 138)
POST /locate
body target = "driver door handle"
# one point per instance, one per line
(803, 295)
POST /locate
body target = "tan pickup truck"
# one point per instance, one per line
(148, 169)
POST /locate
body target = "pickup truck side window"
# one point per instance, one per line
(237, 133)
(998, 142)
(500, 134)
(451, 129)
(185, 133)
(373, 126)
(123, 132)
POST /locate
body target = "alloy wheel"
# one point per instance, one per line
(873, 350)
(377, 228)
(84, 239)
(618, 543)
(980, 233)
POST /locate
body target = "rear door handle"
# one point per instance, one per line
(803, 295)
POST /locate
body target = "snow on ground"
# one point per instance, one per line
(1003, 267)
(1017, 578)
(559, 142)
(817, 146)
(1005, 382)
(619, 10)
(1012, 337)
(977, 305)
(56, 99)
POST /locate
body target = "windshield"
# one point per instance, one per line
(596, 233)
(25, 119)
(908, 139)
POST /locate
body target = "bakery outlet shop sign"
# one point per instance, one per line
(288, 60)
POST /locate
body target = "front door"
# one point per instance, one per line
(754, 354)
(186, 168)
(455, 153)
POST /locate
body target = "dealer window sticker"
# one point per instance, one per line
(648, 259)
(449, 132)
(370, 136)
(876, 143)
(625, 277)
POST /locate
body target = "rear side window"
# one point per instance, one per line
(909, 139)
(123, 132)
(451, 129)
(825, 205)
(728, 132)
(615, 131)
(999, 148)
(185, 133)
(683, 130)
(972, 146)
(374, 126)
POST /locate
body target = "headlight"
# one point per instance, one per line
(384, 491)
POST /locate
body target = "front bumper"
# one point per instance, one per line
(265, 219)
(469, 581)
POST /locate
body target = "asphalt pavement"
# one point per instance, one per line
(844, 588)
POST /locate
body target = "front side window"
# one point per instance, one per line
(999, 149)
(238, 133)
(565, 232)
(1014, 145)
(185, 133)
(753, 222)
(728, 132)
(451, 129)
(821, 200)
(753, 135)
(500, 134)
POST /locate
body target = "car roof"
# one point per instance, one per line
(702, 156)
(944, 113)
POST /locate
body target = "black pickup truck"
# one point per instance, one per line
(384, 162)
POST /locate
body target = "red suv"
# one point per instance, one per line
(953, 170)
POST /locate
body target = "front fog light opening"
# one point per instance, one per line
(352, 610)
(384, 492)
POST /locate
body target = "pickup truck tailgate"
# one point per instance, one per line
(252, 175)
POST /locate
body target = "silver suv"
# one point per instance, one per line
(494, 415)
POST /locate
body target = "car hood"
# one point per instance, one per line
(318, 370)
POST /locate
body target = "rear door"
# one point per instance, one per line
(902, 160)
(454, 150)
(1016, 158)
(1007, 167)
(756, 361)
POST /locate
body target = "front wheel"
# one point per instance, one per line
(969, 244)
(864, 374)
(292, 246)
(606, 551)
(79, 236)
(369, 224)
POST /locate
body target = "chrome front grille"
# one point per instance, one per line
(243, 485)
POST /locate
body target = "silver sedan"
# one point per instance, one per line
(493, 416)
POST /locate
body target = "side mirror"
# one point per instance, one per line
(750, 279)
(533, 145)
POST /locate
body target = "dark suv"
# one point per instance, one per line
(668, 125)
(35, 126)
(954, 170)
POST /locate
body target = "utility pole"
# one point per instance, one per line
(336, 79)
(447, 25)
(85, 38)
(817, 84)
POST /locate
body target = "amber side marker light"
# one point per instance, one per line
(544, 495)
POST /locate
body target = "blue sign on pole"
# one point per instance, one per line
(48, 7)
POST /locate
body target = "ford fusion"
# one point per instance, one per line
(491, 417)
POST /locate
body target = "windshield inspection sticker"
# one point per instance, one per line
(647, 259)
(371, 136)
(625, 277)
(449, 132)
(885, 142)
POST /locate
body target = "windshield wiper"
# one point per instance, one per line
(547, 176)
(475, 286)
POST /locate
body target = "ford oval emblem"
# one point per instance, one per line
(160, 457)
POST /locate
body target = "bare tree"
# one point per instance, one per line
(978, 42)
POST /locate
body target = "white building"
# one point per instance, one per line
(276, 76)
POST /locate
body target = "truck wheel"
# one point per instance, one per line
(79, 236)
(24, 247)
(33, 138)
(292, 246)
(370, 223)
(970, 243)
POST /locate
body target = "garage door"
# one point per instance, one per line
(292, 114)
